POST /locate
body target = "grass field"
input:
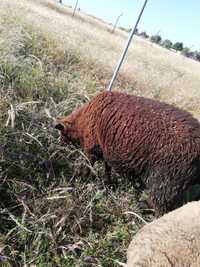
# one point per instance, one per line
(51, 63)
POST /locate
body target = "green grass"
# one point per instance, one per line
(50, 215)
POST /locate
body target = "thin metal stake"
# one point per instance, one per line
(117, 20)
(75, 8)
(126, 48)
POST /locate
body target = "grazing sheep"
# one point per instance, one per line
(171, 241)
(149, 141)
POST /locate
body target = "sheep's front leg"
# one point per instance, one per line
(87, 169)
(108, 170)
(83, 169)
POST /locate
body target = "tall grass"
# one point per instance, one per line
(50, 214)
(154, 71)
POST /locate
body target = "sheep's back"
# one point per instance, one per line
(133, 130)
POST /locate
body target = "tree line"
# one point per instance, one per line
(168, 44)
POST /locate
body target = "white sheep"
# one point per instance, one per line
(171, 241)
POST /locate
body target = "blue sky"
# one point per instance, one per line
(177, 20)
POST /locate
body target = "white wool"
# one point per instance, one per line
(171, 241)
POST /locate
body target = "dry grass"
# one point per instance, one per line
(154, 71)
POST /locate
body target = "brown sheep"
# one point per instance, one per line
(153, 142)
(171, 241)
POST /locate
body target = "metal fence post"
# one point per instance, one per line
(117, 20)
(126, 48)
(75, 8)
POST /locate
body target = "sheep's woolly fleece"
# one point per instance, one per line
(172, 240)
(153, 142)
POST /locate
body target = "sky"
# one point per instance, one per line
(177, 20)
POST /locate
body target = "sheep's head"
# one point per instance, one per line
(68, 132)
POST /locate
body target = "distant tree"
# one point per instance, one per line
(178, 46)
(191, 54)
(144, 35)
(187, 52)
(124, 29)
(156, 38)
(167, 44)
(197, 55)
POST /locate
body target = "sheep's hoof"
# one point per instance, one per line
(82, 171)
(146, 205)
(110, 182)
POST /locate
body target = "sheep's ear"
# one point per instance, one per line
(58, 125)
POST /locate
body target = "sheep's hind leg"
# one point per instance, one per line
(108, 169)
(167, 191)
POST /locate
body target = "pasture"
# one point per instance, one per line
(50, 64)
